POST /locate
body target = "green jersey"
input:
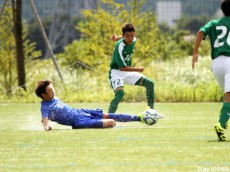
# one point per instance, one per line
(219, 34)
(122, 55)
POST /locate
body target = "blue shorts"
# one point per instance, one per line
(88, 118)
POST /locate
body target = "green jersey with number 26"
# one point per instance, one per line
(219, 34)
(122, 55)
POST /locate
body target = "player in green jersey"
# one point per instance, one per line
(121, 70)
(219, 34)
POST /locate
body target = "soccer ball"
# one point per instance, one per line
(150, 117)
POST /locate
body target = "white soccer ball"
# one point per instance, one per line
(150, 116)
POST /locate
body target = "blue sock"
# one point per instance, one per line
(124, 117)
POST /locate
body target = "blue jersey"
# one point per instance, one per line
(57, 111)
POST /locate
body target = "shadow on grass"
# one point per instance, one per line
(218, 141)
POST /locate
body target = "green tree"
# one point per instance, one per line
(94, 49)
(8, 72)
(7, 52)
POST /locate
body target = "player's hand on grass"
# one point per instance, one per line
(47, 128)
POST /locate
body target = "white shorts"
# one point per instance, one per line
(221, 71)
(119, 78)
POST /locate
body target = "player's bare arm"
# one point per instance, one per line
(196, 48)
(115, 37)
(132, 69)
(46, 125)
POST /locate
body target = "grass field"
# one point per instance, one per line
(183, 141)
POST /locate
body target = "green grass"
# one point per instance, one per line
(183, 141)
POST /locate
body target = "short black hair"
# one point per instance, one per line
(41, 87)
(128, 28)
(225, 7)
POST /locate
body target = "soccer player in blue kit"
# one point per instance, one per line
(55, 110)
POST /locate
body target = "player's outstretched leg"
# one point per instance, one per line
(124, 117)
(114, 103)
(129, 118)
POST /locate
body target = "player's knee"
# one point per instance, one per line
(151, 83)
(119, 94)
(113, 123)
(148, 83)
(110, 123)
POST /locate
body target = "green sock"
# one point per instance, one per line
(149, 85)
(224, 114)
(114, 103)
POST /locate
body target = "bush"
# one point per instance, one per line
(174, 80)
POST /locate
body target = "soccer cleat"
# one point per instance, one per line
(160, 116)
(219, 131)
(141, 117)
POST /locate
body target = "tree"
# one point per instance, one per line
(8, 72)
(95, 48)
(17, 20)
(7, 52)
